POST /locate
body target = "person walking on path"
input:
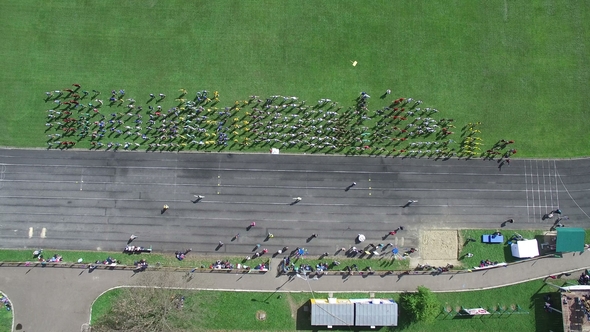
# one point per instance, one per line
(410, 202)
(165, 208)
(131, 238)
(400, 228)
(350, 186)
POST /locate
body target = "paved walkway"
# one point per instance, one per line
(59, 299)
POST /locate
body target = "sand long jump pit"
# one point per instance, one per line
(439, 245)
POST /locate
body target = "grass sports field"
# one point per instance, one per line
(227, 311)
(518, 67)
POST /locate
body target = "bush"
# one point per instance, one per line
(421, 306)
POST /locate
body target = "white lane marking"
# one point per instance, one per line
(550, 182)
(544, 183)
(30, 232)
(43, 233)
(2, 174)
(556, 185)
(526, 186)
(533, 191)
(539, 190)
(257, 170)
(572, 198)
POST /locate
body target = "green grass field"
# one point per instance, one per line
(382, 263)
(5, 318)
(519, 67)
(494, 252)
(233, 311)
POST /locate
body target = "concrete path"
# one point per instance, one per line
(59, 299)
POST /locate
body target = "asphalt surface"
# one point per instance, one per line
(63, 296)
(96, 200)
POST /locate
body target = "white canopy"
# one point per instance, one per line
(525, 249)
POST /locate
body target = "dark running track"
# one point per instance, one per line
(96, 200)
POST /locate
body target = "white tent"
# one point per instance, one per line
(525, 249)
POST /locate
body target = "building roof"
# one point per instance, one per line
(329, 314)
(570, 239)
(353, 312)
(372, 314)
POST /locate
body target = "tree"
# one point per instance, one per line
(421, 306)
(150, 307)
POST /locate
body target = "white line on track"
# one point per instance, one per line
(539, 189)
(264, 170)
(551, 183)
(527, 194)
(544, 183)
(532, 191)
(556, 185)
(175, 172)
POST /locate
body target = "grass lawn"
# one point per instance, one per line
(191, 261)
(502, 63)
(379, 264)
(529, 296)
(285, 311)
(5, 318)
(102, 304)
(70, 256)
(493, 252)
